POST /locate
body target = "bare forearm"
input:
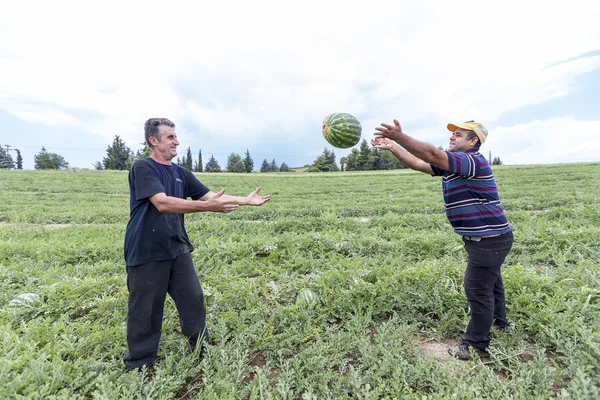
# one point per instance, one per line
(425, 153)
(410, 160)
(242, 201)
(170, 204)
(421, 150)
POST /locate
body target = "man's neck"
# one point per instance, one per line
(160, 160)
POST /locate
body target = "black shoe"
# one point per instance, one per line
(463, 351)
(192, 344)
(148, 368)
(503, 328)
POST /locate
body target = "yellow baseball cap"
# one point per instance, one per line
(474, 126)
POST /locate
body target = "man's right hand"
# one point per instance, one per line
(218, 204)
(382, 143)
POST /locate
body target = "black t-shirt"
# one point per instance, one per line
(152, 235)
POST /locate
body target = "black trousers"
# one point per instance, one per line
(484, 288)
(148, 285)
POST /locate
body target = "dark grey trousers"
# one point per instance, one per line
(484, 287)
(148, 285)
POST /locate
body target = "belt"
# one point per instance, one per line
(478, 238)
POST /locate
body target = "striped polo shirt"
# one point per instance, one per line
(471, 196)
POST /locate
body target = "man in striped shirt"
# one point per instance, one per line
(474, 211)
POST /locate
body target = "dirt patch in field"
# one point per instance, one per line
(46, 226)
(190, 389)
(437, 350)
(258, 360)
(57, 226)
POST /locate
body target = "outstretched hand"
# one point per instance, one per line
(219, 204)
(254, 199)
(393, 132)
(382, 143)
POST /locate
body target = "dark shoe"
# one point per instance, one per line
(463, 352)
(148, 368)
(504, 328)
(192, 344)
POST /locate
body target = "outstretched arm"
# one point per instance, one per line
(404, 156)
(253, 199)
(421, 150)
(215, 202)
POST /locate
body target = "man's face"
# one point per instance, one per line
(459, 141)
(166, 143)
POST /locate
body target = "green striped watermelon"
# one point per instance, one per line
(24, 300)
(341, 130)
(307, 298)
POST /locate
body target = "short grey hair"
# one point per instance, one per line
(152, 128)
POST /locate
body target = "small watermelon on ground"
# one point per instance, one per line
(24, 300)
(341, 130)
(307, 298)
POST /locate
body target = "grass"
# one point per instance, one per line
(375, 246)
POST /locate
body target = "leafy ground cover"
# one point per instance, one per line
(375, 246)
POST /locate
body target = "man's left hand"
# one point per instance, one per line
(393, 132)
(254, 199)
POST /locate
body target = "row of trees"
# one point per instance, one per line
(365, 158)
(6, 160)
(121, 157)
(42, 160)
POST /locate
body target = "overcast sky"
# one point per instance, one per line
(261, 75)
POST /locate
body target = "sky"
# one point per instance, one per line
(262, 75)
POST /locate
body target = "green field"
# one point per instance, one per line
(375, 246)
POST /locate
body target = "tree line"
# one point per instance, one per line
(121, 157)
(42, 160)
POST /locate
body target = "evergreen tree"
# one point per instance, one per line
(199, 161)
(377, 159)
(235, 163)
(98, 166)
(118, 156)
(389, 161)
(273, 167)
(19, 159)
(284, 167)
(352, 163)
(343, 162)
(212, 165)
(45, 160)
(188, 159)
(365, 157)
(248, 162)
(144, 152)
(178, 162)
(326, 161)
(497, 161)
(265, 167)
(6, 161)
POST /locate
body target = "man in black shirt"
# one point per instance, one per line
(157, 248)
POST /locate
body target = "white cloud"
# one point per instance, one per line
(255, 71)
(555, 140)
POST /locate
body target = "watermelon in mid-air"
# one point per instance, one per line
(341, 130)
